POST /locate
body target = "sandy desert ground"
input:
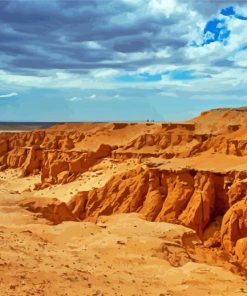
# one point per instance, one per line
(120, 255)
(125, 208)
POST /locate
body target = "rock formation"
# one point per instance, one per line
(189, 197)
(190, 173)
(51, 209)
(234, 225)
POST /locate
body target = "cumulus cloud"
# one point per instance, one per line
(131, 34)
(165, 48)
(83, 44)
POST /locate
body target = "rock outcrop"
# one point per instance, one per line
(51, 154)
(234, 225)
(71, 149)
(63, 167)
(50, 209)
(192, 198)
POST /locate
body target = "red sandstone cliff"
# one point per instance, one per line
(212, 202)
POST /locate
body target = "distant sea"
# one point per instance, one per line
(25, 126)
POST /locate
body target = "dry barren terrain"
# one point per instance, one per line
(125, 208)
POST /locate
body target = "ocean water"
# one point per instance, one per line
(25, 126)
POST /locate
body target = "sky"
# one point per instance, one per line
(121, 60)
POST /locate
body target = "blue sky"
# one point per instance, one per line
(109, 60)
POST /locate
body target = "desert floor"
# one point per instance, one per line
(120, 255)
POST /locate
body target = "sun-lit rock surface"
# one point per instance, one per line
(192, 174)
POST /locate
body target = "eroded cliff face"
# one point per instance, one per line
(68, 153)
(192, 198)
(65, 166)
(51, 154)
(212, 202)
(234, 226)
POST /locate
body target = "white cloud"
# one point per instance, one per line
(217, 50)
(189, 28)
(53, 79)
(74, 99)
(241, 10)
(241, 58)
(104, 73)
(93, 44)
(139, 56)
(209, 35)
(163, 53)
(157, 69)
(92, 97)
(165, 6)
(209, 52)
(13, 94)
(238, 34)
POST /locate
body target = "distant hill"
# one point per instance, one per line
(220, 120)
